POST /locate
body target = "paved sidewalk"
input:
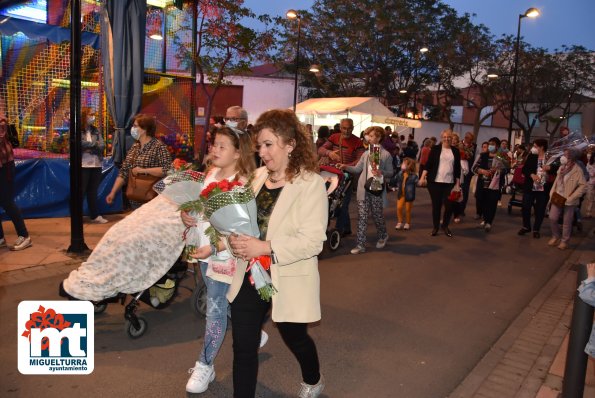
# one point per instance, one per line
(528, 359)
(48, 254)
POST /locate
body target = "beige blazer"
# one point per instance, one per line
(574, 187)
(297, 231)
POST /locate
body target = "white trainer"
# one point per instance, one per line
(358, 249)
(311, 391)
(200, 377)
(381, 242)
(399, 226)
(98, 220)
(406, 227)
(21, 243)
(2, 242)
(264, 337)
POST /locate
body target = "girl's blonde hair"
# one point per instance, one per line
(242, 142)
(411, 165)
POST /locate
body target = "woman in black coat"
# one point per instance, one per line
(442, 175)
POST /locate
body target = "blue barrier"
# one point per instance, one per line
(42, 188)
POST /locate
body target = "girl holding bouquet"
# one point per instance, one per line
(380, 167)
(292, 213)
(231, 157)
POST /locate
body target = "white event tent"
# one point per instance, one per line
(365, 112)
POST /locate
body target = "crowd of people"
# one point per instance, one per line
(292, 216)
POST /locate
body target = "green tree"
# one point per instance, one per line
(225, 47)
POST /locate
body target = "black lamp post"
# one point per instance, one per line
(530, 13)
(293, 14)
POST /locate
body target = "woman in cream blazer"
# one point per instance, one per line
(292, 214)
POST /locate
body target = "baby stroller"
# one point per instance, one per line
(515, 187)
(158, 296)
(337, 184)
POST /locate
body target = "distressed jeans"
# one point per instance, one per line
(216, 319)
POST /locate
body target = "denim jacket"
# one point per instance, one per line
(410, 184)
(586, 291)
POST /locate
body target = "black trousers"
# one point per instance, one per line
(248, 312)
(490, 204)
(465, 186)
(91, 178)
(7, 176)
(479, 198)
(439, 192)
(536, 200)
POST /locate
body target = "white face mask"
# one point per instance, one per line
(135, 133)
(534, 151)
(563, 159)
(232, 123)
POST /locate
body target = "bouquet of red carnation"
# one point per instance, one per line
(230, 208)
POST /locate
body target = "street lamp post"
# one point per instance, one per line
(530, 13)
(293, 14)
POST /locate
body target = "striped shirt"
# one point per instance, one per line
(153, 154)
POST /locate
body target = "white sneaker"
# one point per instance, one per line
(98, 220)
(381, 242)
(2, 242)
(499, 204)
(553, 242)
(406, 227)
(311, 391)
(21, 243)
(200, 377)
(482, 224)
(264, 337)
(487, 227)
(358, 249)
(399, 226)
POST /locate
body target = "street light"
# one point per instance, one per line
(293, 14)
(530, 13)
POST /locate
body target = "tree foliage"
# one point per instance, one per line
(371, 48)
(225, 45)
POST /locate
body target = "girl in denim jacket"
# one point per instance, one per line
(405, 182)
(586, 292)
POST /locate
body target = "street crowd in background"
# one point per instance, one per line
(555, 181)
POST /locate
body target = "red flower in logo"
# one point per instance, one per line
(43, 319)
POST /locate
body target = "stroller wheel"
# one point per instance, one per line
(133, 332)
(198, 301)
(334, 239)
(98, 308)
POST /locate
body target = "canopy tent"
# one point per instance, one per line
(366, 111)
(343, 105)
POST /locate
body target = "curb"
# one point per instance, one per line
(517, 364)
(38, 272)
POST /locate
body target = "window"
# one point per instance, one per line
(456, 115)
(533, 118)
(485, 111)
(575, 123)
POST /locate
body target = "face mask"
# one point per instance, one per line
(135, 133)
(563, 160)
(232, 123)
(367, 138)
(534, 151)
(91, 120)
(492, 148)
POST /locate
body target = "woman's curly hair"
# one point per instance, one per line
(286, 126)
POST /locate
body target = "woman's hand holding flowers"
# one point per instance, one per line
(247, 247)
(187, 219)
